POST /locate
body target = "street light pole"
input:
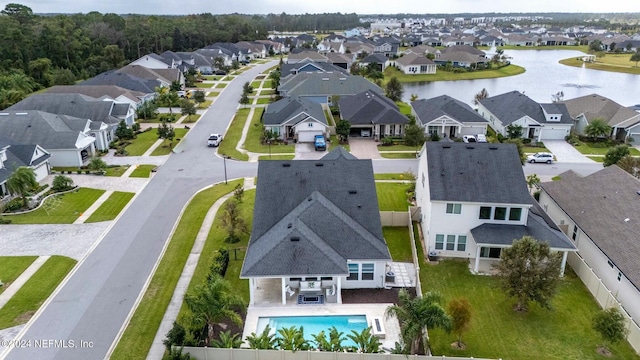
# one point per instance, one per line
(224, 162)
(269, 143)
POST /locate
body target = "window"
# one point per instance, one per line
(515, 213)
(454, 208)
(575, 232)
(500, 213)
(610, 263)
(462, 243)
(353, 272)
(451, 242)
(309, 124)
(485, 212)
(439, 242)
(433, 130)
(619, 276)
(367, 271)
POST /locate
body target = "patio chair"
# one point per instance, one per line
(289, 291)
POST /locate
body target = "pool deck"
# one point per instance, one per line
(392, 328)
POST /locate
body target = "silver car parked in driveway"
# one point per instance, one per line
(541, 157)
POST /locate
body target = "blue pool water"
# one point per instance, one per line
(314, 324)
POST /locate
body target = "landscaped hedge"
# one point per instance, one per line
(220, 264)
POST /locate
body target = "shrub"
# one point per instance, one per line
(14, 205)
(220, 264)
(387, 141)
(61, 183)
(526, 141)
(5, 221)
(435, 137)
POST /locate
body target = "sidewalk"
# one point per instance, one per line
(85, 215)
(170, 315)
(8, 293)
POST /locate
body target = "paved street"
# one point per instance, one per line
(96, 301)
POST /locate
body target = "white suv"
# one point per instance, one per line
(214, 140)
(541, 157)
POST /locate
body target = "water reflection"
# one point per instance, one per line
(543, 77)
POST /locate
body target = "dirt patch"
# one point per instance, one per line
(373, 296)
(24, 317)
(458, 345)
(602, 350)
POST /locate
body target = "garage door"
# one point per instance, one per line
(636, 139)
(472, 130)
(308, 136)
(553, 134)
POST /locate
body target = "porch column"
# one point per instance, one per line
(477, 264)
(564, 263)
(252, 286)
(339, 291)
(283, 291)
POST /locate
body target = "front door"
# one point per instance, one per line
(532, 132)
(452, 131)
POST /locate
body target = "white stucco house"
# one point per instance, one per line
(295, 118)
(448, 117)
(474, 202)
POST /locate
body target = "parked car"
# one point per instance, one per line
(320, 143)
(481, 138)
(469, 138)
(365, 133)
(214, 140)
(221, 72)
(541, 157)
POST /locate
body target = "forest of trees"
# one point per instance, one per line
(58, 49)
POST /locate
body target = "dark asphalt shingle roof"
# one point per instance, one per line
(127, 81)
(327, 84)
(97, 91)
(599, 204)
(292, 108)
(428, 110)
(75, 105)
(331, 218)
(479, 172)
(514, 105)
(50, 131)
(310, 66)
(369, 107)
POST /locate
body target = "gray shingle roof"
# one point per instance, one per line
(97, 91)
(292, 108)
(539, 226)
(368, 107)
(414, 59)
(76, 105)
(310, 66)
(50, 131)
(599, 204)
(430, 109)
(322, 221)
(327, 84)
(127, 81)
(480, 172)
(599, 107)
(514, 105)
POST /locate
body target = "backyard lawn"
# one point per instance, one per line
(138, 336)
(392, 196)
(112, 207)
(404, 107)
(232, 136)
(498, 332)
(21, 307)
(510, 70)
(142, 171)
(11, 267)
(61, 209)
(399, 243)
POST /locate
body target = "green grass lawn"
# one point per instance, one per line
(142, 171)
(203, 85)
(441, 75)
(267, 92)
(534, 149)
(252, 142)
(399, 148)
(404, 107)
(221, 86)
(232, 136)
(205, 104)
(215, 240)
(115, 170)
(11, 267)
(263, 101)
(599, 159)
(213, 93)
(61, 209)
(138, 336)
(334, 143)
(112, 207)
(21, 307)
(142, 143)
(399, 243)
(270, 69)
(498, 332)
(256, 84)
(600, 149)
(610, 62)
(191, 119)
(276, 157)
(392, 196)
(267, 84)
(398, 155)
(389, 177)
(165, 149)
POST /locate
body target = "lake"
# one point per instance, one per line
(543, 77)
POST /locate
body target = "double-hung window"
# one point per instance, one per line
(454, 208)
(353, 272)
(439, 242)
(367, 271)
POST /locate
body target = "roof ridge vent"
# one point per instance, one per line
(319, 164)
(446, 146)
(286, 165)
(295, 238)
(353, 191)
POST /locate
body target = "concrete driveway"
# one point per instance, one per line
(306, 151)
(565, 152)
(364, 148)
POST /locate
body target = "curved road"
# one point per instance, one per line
(94, 303)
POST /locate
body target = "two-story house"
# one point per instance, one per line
(474, 202)
(13, 156)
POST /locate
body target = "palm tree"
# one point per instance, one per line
(365, 341)
(292, 339)
(227, 341)
(597, 127)
(212, 302)
(414, 314)
(265, 341)
(334, 343)
(483, 94)
(21, 181)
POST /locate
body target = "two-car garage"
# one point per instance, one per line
(308, 136)
(553, 132)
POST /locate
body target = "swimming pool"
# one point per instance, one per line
(314, 324)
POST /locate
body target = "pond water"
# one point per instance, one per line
(543, 77)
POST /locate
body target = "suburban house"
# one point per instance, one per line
(13, 156)
(416, 64)
(103, 92)
(599, 212)
(448, 117)
(126, 81)
(308, 66)
(624, 122)
(66, 138)
(372, 112)
(164, 76)
(324, 236)
(538, 121)
(224, 56)
(104, 115)
(422, 50)
(306, 55)
(343, 61)
(381, 62)
(155, 61)
(295, 118)
(474, 202)
(460, 59)
(320, 87)
(325, 47)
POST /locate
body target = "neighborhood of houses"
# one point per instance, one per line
(325, 235)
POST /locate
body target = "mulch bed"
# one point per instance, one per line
(369, 296)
